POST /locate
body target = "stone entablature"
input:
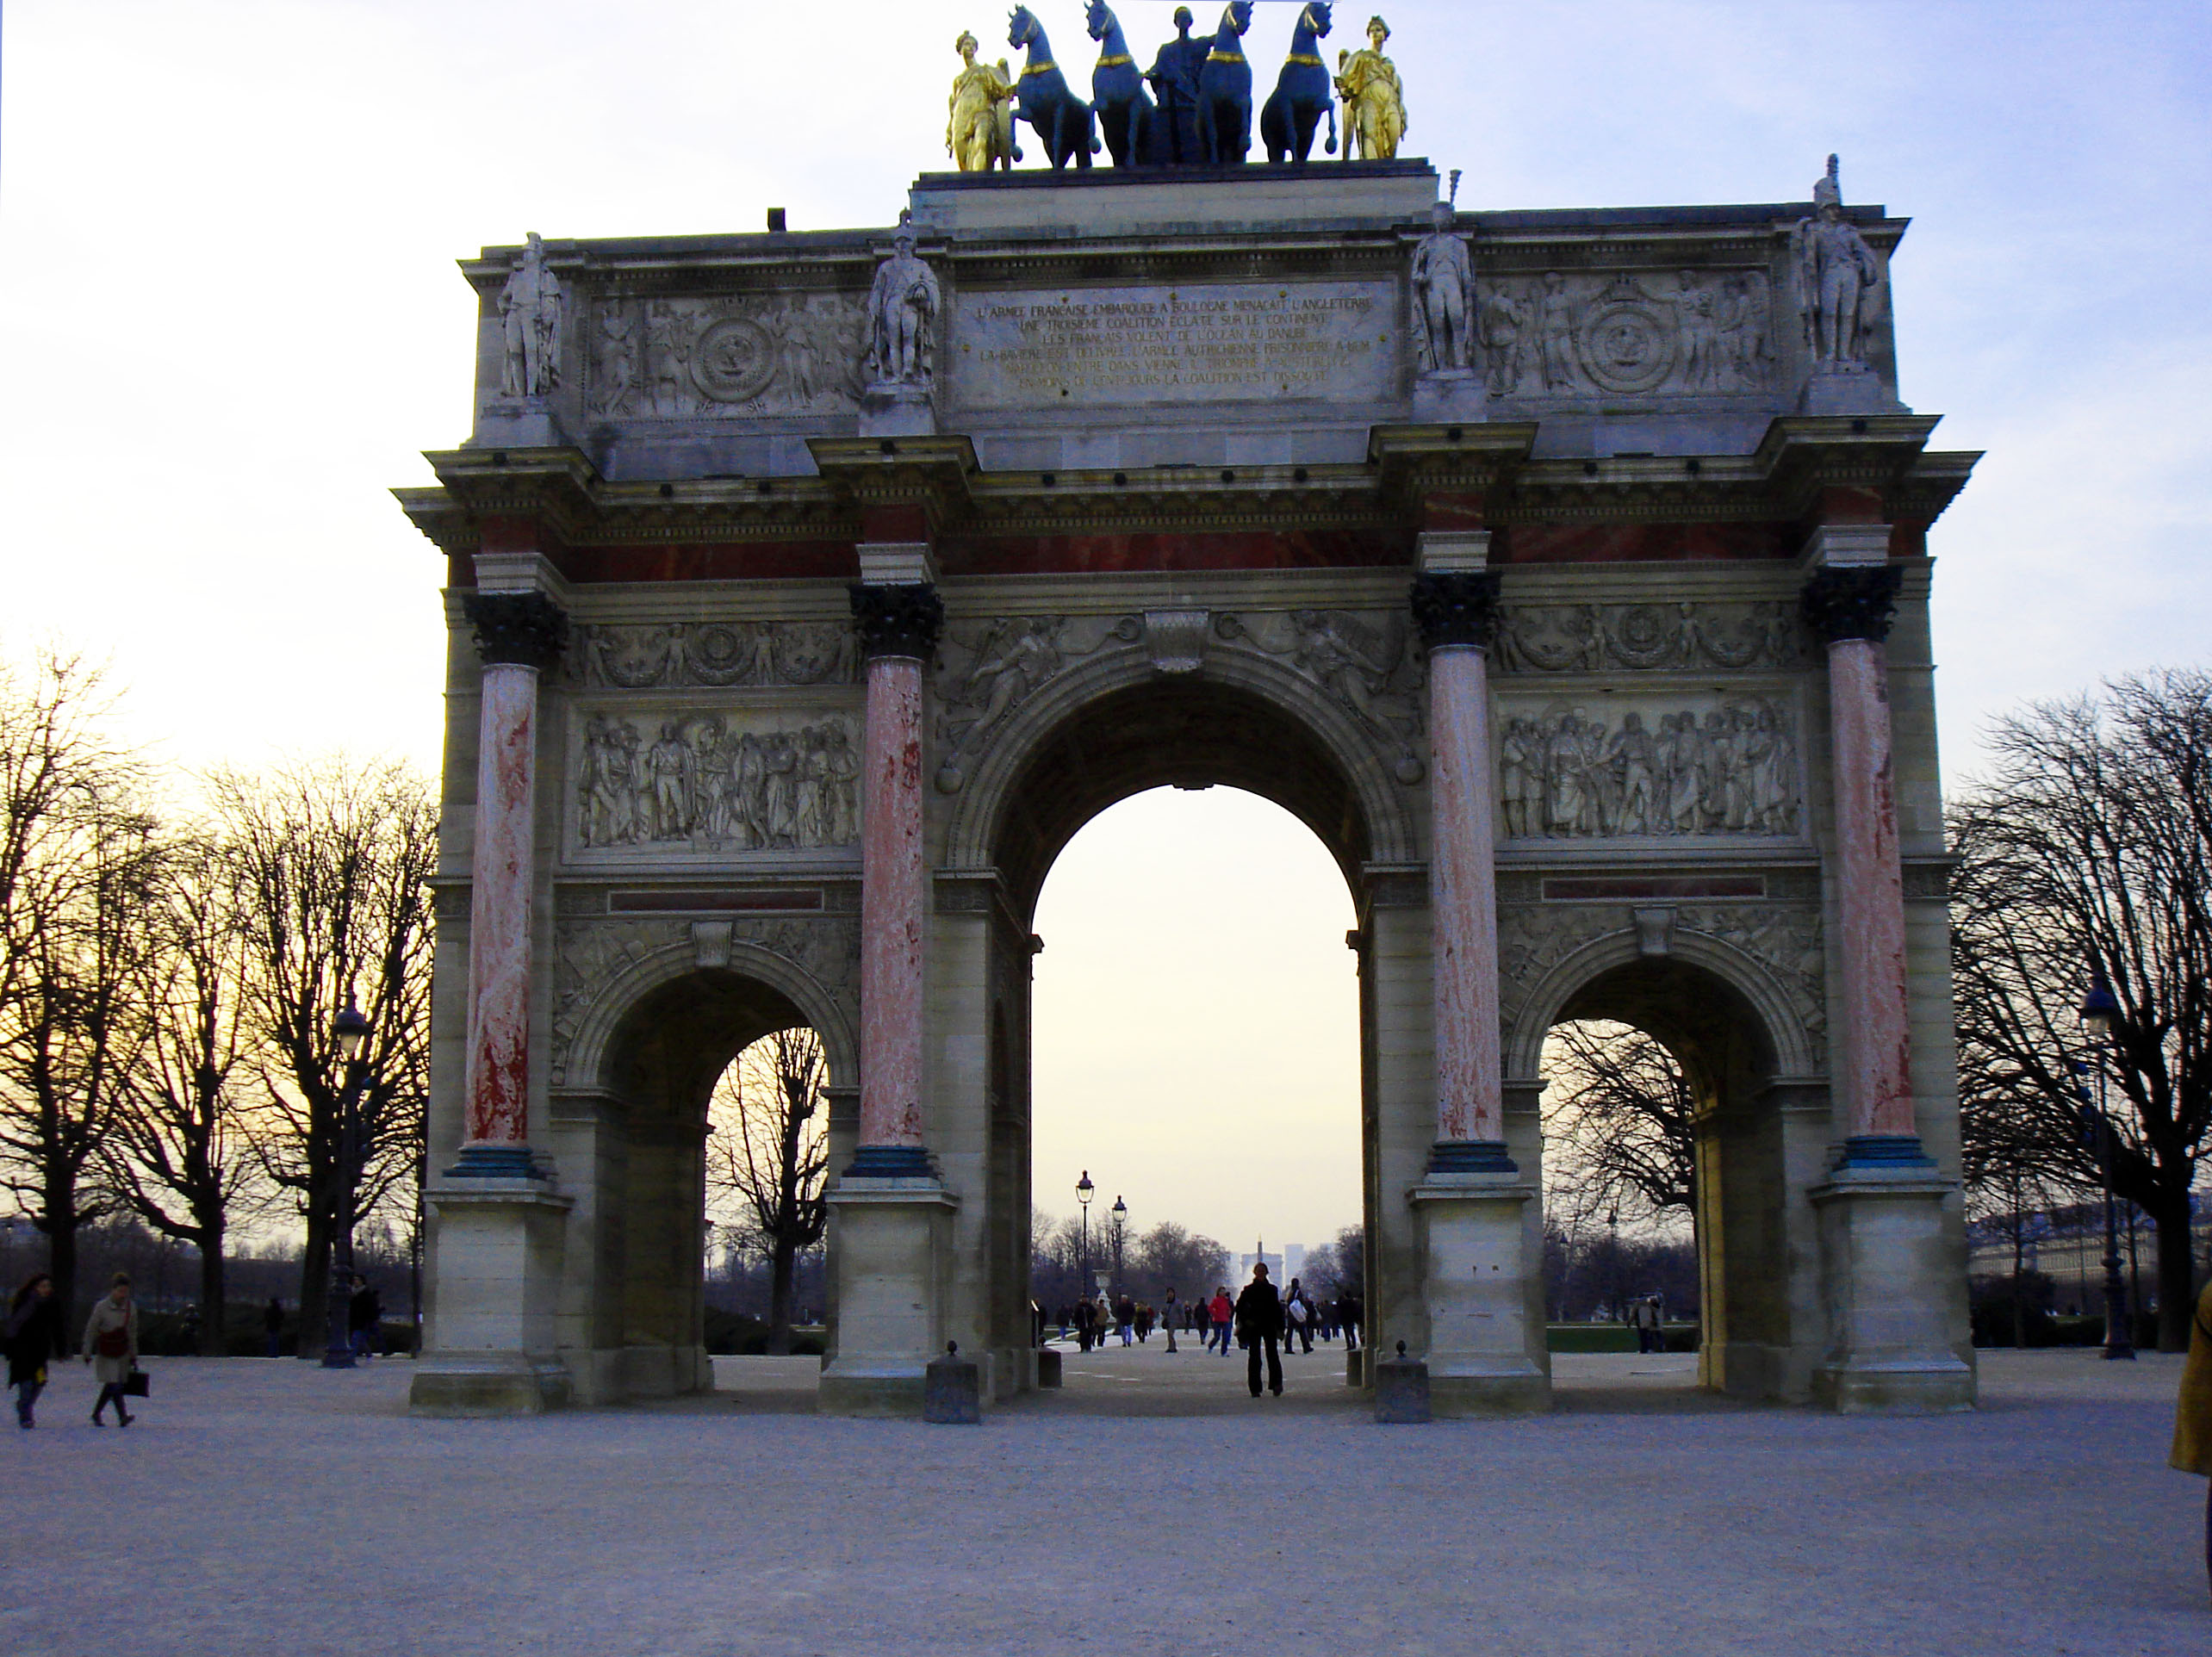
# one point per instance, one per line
(1628, 332)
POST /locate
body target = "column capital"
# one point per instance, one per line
(1852, 602)
(1457, 606)
(898, 620)
(524, 629)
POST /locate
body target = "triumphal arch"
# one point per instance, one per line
(1567, 573)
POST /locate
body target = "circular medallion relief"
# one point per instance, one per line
(1627, 347)
(1646, 635)
(734, 360)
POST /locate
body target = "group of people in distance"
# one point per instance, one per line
(1265, 1323)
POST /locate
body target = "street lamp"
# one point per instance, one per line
(2100, 1019)
(352, 1032)
(1083, 1189)
(1120, 1219)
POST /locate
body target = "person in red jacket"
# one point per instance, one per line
(1219, 1311)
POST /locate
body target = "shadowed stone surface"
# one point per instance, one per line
(264, 1506)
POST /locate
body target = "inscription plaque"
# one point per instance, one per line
(1223, 342)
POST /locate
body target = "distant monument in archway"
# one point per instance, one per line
(1566, 572)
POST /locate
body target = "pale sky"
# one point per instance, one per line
(229, 318)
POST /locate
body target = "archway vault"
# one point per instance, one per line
(1117, 727)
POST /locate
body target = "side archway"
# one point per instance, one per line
(1759, 1122)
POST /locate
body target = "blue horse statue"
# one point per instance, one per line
(1302, 93)
(1225, 92)
(1117, 90)
(1062, 120)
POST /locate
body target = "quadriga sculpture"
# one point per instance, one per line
(1225, 90)
(1062, 120)
(1117, 90)
(1304, 92)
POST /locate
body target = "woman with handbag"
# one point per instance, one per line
(111, 1348)
(34, 1335)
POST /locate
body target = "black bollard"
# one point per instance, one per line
(951, 1390)
(1048, 1366)
(1402, 1389)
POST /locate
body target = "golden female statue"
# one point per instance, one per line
(981, 129)
(1374, 110)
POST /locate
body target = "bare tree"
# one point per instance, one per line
(333, 860)
(177, 1153)
(1620, 1113)
(1170, 1256)
(78, 854)
(2086, 854)
(769, 1147)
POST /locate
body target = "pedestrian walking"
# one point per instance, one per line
(1124, 1318)
(272, 1326)
(2192, 1414)
(111, 1348)
(33, 1336)
(1224, 1316)
(1348, 1314)
(1169, 1312)
(1297, 1319)
(1259, 1326)
(1643, 1318)
(364, 1312)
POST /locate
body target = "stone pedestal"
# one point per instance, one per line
(1889, 1285)
(1484, 1355)
(893, 1239)
(1845, 388)
(889, 409)
(518, 423)
(1450, 395)
(489, 1347)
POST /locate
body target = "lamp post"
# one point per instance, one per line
(1120, 1219)
(2100, 1017)
(1083, 1189)
(352, 1031)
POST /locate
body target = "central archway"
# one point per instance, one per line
(1063, 760)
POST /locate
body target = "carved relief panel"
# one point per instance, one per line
(1656, 765)
(728, 355)
(1755, 636)
(603, 655)
(1363, 663)
(1692, 334)
(711, 781)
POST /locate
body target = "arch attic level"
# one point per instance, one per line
(1568, 573)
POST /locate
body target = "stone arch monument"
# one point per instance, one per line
(1592, 641)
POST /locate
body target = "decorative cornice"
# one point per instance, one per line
(897, 621)
(1456, 607)
(1853, 603)
(522, 629)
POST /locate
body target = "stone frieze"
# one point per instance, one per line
(750, 655)
(715, 782)
(1757, 637)
(1659, 768)
(720, 355)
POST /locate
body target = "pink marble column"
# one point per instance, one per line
(518, 635)
(1851, 607)
(898, 627)
(1456, 612)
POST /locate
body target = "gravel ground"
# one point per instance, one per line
(1150, 1508)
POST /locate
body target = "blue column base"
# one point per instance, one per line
(891, 1162)
(1470, 1156)
(495, 1162)
(1884, 1151)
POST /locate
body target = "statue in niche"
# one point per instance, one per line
(979, 131)
(1444, 294)
(530, 321)
(903, 308)
(1836, 273)
(1375, 107)
(1174, 80)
